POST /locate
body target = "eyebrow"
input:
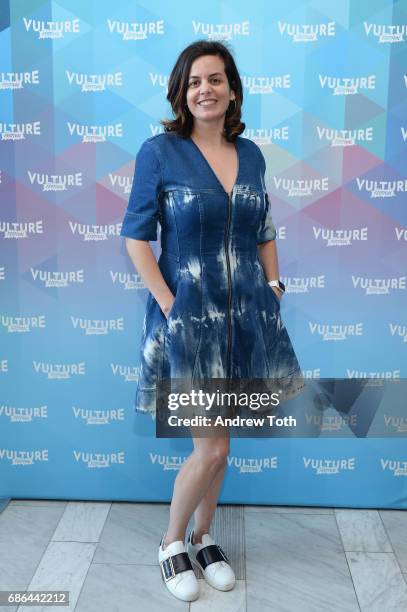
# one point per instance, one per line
(211, 75)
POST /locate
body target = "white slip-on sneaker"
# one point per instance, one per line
(177, 571)
(212, 561)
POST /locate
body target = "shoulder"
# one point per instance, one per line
(249, 145)
(252, 149)
(163, 139)
(154, 147)
(164, 144)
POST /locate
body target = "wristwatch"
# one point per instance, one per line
(277, 283)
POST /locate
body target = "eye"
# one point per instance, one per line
(196, 82)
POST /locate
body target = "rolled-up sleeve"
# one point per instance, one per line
(266, 230)
(140, 220)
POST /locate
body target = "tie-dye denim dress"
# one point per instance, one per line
(225, 321)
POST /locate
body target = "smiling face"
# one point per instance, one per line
(208, 93)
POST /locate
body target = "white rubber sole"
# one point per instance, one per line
(177, 596)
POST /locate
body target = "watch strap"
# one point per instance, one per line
(276, 283)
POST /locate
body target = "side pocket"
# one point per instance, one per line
(276, 299)
(268, 289)
(172, 309)
(170, 269)
(173, 285)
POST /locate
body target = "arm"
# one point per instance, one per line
(269, 260)
(266, 236)
(146, 265)
(140, 224)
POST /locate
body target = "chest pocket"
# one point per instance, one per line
(251, 207)
(181, 203)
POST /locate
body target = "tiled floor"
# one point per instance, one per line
(286, 559)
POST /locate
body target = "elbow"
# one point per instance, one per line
(131, 242)
(134, 246)
(128, 245)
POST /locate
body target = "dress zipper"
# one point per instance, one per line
(230, 289)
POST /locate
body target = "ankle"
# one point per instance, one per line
(167, 540)
(197, 536)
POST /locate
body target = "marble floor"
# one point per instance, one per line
(286, 559)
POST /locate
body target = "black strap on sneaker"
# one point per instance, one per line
(175, 564)
(211, 554)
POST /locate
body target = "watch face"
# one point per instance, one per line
(281, 285)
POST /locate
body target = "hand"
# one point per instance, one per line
(166, 308)
(277, 292)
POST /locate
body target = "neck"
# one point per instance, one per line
(210, 135)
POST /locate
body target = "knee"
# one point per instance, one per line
(216, 454)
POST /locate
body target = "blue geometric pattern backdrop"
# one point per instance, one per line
(82, 85)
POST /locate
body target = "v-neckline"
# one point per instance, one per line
(236, 144)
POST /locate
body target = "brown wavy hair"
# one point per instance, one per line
(182, 124)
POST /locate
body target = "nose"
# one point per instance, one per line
(205, 87)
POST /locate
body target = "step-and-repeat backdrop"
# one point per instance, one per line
(82, 85)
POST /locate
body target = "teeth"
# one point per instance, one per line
(207, 102)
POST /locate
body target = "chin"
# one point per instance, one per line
(213, 113)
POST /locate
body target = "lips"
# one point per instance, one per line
(207, 102)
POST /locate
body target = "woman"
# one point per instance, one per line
(210, 312)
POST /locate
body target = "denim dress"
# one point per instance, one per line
(225, 321)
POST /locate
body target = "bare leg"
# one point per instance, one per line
(206, 508)
(193, 481)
